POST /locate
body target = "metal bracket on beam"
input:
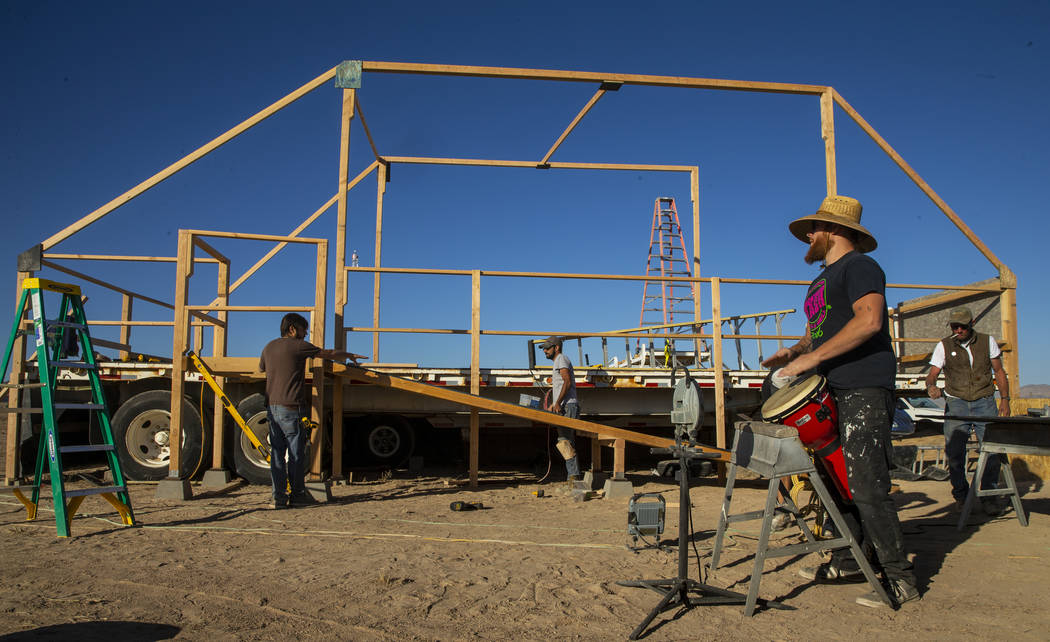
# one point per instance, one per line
(348, 75)
(543, 165)
(610, 85)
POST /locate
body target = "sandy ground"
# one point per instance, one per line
(388, 560)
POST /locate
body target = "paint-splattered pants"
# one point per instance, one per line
(865, 417)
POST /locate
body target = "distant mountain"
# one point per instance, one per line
(1035, 391)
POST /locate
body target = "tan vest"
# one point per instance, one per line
(965, 381)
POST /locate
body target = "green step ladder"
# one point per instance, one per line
(52, 336)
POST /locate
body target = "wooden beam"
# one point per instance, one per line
(575, 121)
(827, 132)
(716, 364)
(914, 176)
(694, 198)
(542, 417)
(364, 125)
(109, 286)
(317, 332)
(188, 159)
(218, 348)
(12, 463)
(479, 162)
(349, 98)
(1008, 323)
(183, 270)
(113, 257)
(586, 76)
(126, 307)
(475, 371)
(380, 190)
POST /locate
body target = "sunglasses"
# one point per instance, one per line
(958, 326)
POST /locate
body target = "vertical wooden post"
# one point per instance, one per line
(380, 190)
(341, 290)
(218, 349)
(716, 363)
(14, 397)
(318, 366)
(475, 370)
(180, 338)
(596, 454)
(694, 192)
(827, 132)
(619, 459)
(126, 305)
(1008, 319)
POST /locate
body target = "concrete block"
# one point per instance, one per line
(216, 478)
(174, 489)
(320, 491)
(618, 489)
(594, 480)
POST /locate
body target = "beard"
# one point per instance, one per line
(819, 248)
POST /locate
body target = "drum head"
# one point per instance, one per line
(790, 397)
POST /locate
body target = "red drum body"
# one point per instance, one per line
(806, 405)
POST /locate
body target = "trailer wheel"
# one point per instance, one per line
(249, 463)
(388, 440)
(141, 432)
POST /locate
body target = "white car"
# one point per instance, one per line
(922, 410)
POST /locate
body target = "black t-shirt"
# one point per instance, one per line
(829, 306)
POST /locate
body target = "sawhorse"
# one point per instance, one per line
(774, 451)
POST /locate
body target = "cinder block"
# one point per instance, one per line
(618, 489)
(593, 480)
(174, 489)
(216, 478)
(320, 491)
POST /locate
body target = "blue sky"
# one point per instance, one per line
(103, 95)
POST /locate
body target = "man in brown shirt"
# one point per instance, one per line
(284, 362)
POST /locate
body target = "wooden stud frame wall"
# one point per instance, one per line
(349, 75)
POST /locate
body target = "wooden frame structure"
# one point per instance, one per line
(348, 77)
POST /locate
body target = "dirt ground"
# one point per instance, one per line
(388, 560)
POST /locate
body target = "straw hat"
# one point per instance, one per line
(840, 210)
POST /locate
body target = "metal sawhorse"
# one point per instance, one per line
(1006, 436)
(774, 451)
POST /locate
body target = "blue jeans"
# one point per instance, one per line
(287, 439)
(572, 410)
(957, 433)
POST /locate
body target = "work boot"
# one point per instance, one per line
(278, 504)
(828, 573)
(997, 507)
(902, 592)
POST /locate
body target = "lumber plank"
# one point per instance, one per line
(473, 401)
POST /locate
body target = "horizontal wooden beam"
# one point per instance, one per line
(112, 257)
(588, 76)
(481, 162)
(255, 237)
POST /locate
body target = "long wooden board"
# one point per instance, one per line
(474, 401)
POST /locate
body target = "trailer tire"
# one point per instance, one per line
(387, 440)
(247, 461)
(141, 432)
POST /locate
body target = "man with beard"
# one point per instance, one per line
(848, 342)
(969, 358)
(563, 401)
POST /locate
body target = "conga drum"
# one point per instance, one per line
(807, 406)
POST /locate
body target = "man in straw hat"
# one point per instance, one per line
(563, 401)
(968, 359)
(848, 342)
